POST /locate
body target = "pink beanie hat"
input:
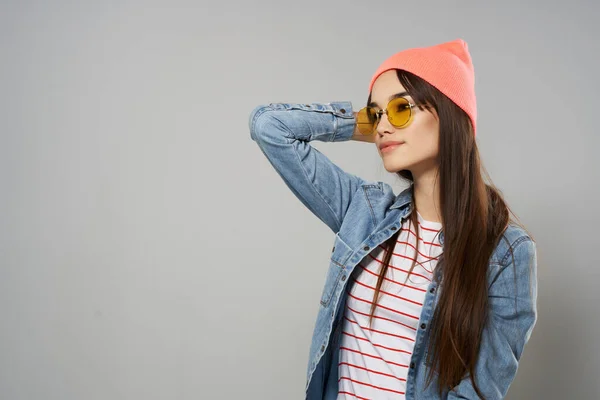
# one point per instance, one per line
(447, 66)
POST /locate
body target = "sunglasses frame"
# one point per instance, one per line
(379, 114)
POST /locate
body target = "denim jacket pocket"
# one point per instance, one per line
(340, 253)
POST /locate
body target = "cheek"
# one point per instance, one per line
(424, 142)
(428, 135)
(424, 129)
(432, 142)
(425, 147)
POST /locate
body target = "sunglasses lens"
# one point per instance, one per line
(366, 118)
(399, 111)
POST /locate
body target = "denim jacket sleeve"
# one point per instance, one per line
(283, 131)
(513, 314)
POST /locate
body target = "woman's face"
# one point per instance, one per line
(419, 138)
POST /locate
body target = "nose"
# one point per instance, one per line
(384, 125)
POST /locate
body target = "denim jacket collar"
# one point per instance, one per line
(404, 198)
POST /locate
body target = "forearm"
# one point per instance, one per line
(283, 131)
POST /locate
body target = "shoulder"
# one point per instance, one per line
(513, 266)
(370, 205)
(514, 242)
(383, 187)
(384, 194)
(379, 194)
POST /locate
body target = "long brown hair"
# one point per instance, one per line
(474, 217)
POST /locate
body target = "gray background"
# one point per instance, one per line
(149, 251)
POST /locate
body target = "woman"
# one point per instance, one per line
(435, 303)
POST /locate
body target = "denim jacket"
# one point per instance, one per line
(363, 214)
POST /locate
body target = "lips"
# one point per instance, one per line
(390, 143)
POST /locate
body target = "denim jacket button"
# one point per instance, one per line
(393, 228)
(366, 248)
(343, 277)
(323, 348)
(423, 326)
(343, 110)
(412, 364)
(333, 249)
(432, 290)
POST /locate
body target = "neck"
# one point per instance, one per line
(427, 197)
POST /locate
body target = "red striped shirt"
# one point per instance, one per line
(374, 360)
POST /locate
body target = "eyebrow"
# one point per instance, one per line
(392, 97)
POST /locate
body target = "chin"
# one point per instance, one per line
(394, 167)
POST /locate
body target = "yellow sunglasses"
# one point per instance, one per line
(398, 110)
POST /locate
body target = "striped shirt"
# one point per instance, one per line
(374, 360)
